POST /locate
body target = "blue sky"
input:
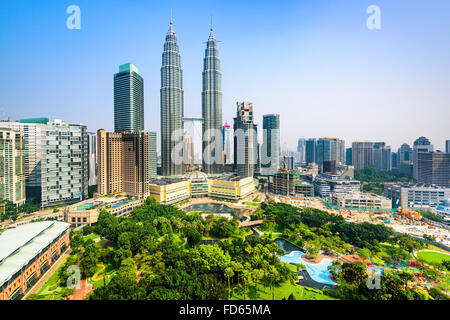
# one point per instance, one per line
(312, 61)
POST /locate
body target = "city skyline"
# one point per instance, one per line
(382, 84)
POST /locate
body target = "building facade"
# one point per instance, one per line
(123, 163)
(212, 108)
(27, 252)
(416, 196)
(92, 156)
(270, 153)
(12, 166)
(227, 133)
(421, 145)
(128, 99)
(310, 152)
(188, 152)
(362, 154)
(244, 140)
(433, 168)
(172, 106)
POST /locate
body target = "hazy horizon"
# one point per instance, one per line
(313, 62)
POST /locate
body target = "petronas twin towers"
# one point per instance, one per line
(172, 107)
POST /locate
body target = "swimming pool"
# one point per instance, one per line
(85, 206)
(119, 204)
(318, 271)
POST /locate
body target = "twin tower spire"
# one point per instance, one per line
(172, 105)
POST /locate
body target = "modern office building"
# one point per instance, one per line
(421, 145)
(362, 154)
(245, 157)
(123, 163)
(310, 151)
(128, 99)
(288, 163)
(231, 187)
(382, 157)
(270, 153)
(92, 158)
(433, 168)
(301, 149)
(12, 166)
(188, 152)
(227, 133)
(394, 161)
(212, 108)
(56, 160)
(348, 157)
(447, 146)
(172, 106)
(34, 137)
(330, 148)
(153, 154)
(405, 154)
(27, 252)
(416, 195)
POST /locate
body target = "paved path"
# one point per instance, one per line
(43, 279)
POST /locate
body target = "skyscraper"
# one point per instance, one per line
(245, 149)
(172, 106)
(212, 107)
(188, 152)
(270, 153)
(153, 155)
(56, 160)
(123, 163)
(405, 154)
(348, 157)
(432, 168)
(310, 152)
(301, 149)
(128, 99)
(227, 134)
(447, 146)
(12, 166)
(362, 154)
(330, 148)
(92, 158)
(421, 144)
(382, 158)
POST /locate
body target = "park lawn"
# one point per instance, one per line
(92, 236)
(51, 289)
(433, 257)
(282, 291)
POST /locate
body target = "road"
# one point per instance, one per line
(43, 214)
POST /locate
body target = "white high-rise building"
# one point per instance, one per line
(227, 133)
(56, 160)
(92, 155)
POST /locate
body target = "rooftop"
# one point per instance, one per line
(22, 244)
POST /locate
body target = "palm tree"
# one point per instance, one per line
(229, 273)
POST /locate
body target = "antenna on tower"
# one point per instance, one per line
(171, 19)
(211, 23)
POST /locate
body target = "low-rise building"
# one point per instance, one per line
(170, 191)
(86, 212)
(231, 187)
(416, 195)
(328, 183)
(360, 200)
(26, 253)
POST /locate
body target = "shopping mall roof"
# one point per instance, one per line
(18, 246)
